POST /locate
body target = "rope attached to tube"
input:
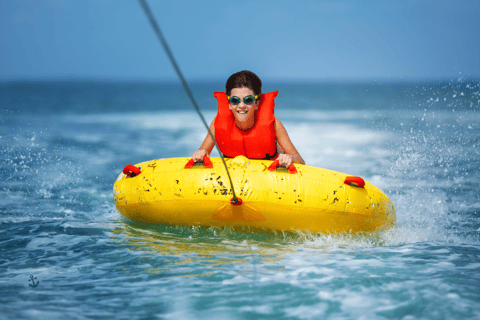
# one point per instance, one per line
(185, 85)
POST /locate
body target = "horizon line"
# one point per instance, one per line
(196, 80)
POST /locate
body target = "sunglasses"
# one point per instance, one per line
(247, 100)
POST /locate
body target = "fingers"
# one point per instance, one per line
(198, 155)
(285, 160)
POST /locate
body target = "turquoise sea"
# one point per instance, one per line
(66, 253)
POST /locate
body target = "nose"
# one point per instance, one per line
(242, 104)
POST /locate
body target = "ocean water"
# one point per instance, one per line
(66, 253)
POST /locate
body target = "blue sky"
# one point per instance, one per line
(283, 40)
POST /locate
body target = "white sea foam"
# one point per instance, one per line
(59, 222)
(182, 120)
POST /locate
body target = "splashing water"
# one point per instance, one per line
(60, 155)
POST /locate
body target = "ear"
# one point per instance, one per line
(257, 104)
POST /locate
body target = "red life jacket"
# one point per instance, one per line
(259, 142)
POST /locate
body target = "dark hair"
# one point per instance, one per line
(245, 79)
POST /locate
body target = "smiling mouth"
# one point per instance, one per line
(241, 115)
(241, 111)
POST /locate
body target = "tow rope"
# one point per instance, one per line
(235, 200)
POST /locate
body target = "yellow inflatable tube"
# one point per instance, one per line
(312, 199)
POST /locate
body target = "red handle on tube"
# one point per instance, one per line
(275, 164)
(206, 161)
(131, 171)
(355, 182)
